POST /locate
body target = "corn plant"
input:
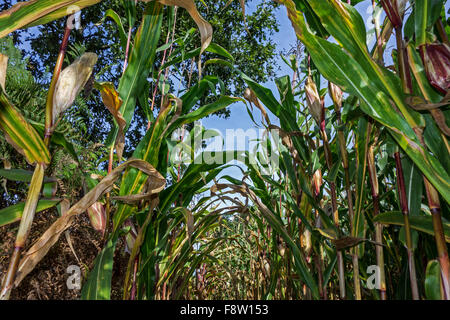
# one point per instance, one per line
(358, 141)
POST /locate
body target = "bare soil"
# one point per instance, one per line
(48, 280)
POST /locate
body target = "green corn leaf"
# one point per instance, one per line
(421, 13)
(122, 34)
(21, 134)
(16, 174)
(433, 281)
(98, 284)
(140, 64)
(420, 223)
(14, 213)
(21, 175)
(414, 186)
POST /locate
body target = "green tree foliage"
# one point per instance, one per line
(250, 43)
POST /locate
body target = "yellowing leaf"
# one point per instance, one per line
(113, 102)
(20, 134)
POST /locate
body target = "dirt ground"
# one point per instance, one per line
(48, 280)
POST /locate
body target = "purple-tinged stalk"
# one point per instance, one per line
(379, 43)
(165, 56)
(37, 179)
(435, 208)
(127, 50)
(136, 248)
(51, 92)
(336, 95)
(391, 9)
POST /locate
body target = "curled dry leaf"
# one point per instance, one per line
(65, 206)
(250, 96)
(204, 26)
(71, 81)
(349, 242)
(420, 104)
(287, 142)
(151, 187)
(51, 236)
(113, 102)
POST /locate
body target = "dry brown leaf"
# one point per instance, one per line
(65, 206)
(51, 236)
(439, 118)
(420, 104)
(153, 186)
(251, 97)
(204, 26)
(349, 242)
(287, 141)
